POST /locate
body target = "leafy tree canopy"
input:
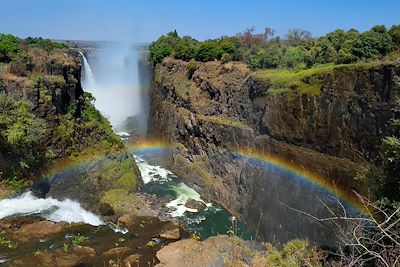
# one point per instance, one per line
(298, 50)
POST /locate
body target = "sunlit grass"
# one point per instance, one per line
(307, 81)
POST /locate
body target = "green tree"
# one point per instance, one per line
(8, 47)
(209, 50)
(337, 38)
(373, 44)
(163, 47)
(395, 34)
(232, 47)
(185, 48)
(322, 52)
(294, 57)
(296, 35)
(268, 57)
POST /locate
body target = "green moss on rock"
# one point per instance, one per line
(119, 199)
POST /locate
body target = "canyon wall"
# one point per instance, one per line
(207, 111)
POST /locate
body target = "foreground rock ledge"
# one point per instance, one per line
(213, 252)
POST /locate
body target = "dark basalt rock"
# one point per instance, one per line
(40, 189)
(194, 204)
(106, 209)
(334, 134)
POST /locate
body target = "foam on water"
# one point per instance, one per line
(48, 208)
(151, 173)
(184, 193)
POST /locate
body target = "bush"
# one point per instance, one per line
(192, 67)
(21, 65)
(294, 253)
(20, 135)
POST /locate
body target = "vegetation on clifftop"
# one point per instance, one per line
(303, 81)
(299, 50)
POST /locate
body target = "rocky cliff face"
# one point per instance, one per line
(54, 97)
(208, 112)
(71, 129)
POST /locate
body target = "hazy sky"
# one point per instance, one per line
(143, 21)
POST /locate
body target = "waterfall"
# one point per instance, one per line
(122, 84)
(88, 83)
(51, 209)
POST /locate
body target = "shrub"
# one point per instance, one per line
(192, 67)
(20, 135)
(295, 253)
(226, 57)
(21, 65)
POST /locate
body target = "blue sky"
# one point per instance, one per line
(143, 21)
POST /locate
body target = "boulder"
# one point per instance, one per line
(189, 252)
(38, 230)
(128, 220)
(40, 189)
(194, 204)
(171, 232)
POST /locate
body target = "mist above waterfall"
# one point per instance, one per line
(111, 74)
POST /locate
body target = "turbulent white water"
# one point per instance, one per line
(88, 83)
(48, 208)
(151, 173)
(184, 193)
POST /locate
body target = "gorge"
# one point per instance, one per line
(114, 156)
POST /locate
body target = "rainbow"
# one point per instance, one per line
(296, 172)
(270, 161)
(149, 146)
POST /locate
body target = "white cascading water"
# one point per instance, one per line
(48, 208)
(88, 83)
(111, 75)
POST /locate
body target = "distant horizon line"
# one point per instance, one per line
(199, 39)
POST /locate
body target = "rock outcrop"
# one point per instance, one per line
(222, 108)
